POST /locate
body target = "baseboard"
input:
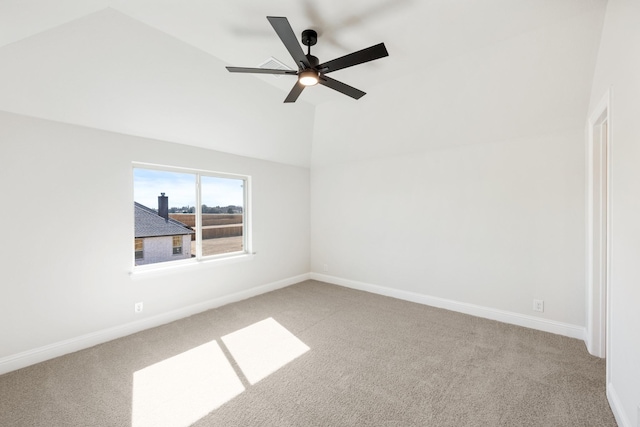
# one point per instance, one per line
(616, 407)
(559, 328)
(40, 354)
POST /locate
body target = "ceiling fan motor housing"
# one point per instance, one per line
(313, 61)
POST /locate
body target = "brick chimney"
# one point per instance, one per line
(163, 206)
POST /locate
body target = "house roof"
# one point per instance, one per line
(149, 224)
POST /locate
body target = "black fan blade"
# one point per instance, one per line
(360, 57)
(285, 32)
(341, 87)
(260, 70)
(295, 92)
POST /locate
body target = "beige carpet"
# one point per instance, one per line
(315, 354)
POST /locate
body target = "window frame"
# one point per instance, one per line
(199, 259)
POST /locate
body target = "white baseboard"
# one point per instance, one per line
(616, 407)
(559, 328)
(40, 354)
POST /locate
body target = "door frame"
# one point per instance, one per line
(598, 249)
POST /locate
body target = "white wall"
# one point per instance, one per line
(494, 225)
(618, 69)
(463, 184)
(67, 210)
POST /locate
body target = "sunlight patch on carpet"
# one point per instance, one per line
(182, 389)
(263, 348)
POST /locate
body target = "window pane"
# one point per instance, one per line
(164, 206)
(222, 215)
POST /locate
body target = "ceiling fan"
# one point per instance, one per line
(310, 71)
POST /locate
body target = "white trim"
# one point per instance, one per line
(30, 357)
(161, 269)
(560, 328)
(617, 408)
(198, 218)
(181, 169)
(247, 215)
(597, 292)
(589, 339)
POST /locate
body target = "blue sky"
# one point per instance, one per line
(180, 188)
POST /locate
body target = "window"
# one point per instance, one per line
(139, 249)
(184, 215)
(177, 245)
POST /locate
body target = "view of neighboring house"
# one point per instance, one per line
(159, 238)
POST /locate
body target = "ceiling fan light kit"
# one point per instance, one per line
(308, 77)
(310, 71)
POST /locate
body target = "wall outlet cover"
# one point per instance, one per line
(538, 305)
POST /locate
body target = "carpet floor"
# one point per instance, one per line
(315, 354)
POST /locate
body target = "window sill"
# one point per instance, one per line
(181, 266)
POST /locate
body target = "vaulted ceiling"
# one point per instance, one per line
(156, 69)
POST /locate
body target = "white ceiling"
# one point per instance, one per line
(156, 69)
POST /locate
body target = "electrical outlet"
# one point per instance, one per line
(138, 307)
(538, 305)
(325, 268)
